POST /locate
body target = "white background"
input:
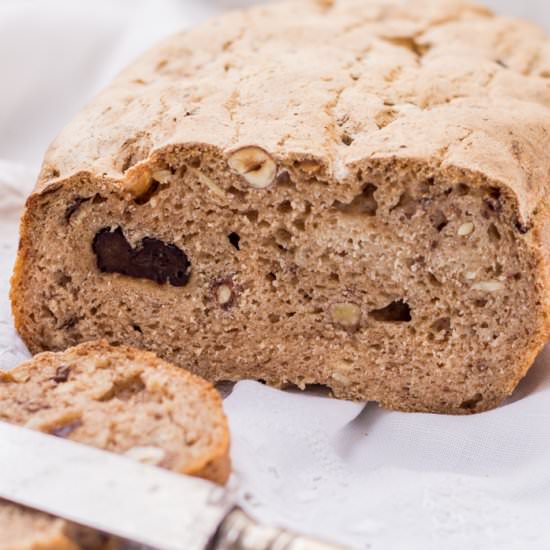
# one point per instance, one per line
(361, 476)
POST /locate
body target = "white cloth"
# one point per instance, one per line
(365, 477)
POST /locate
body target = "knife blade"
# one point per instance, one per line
(140, 503)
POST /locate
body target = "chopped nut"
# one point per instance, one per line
(342, 378)
(162, 176)
(341, 369)
(208, 182)
(103, 363)
(309, 166)
(139, 182)
(470, 275)
(21, 376)
(488, 286)
(346, 314)
(155, 382)
(465, 229)
(255, 165)
(224, 294)
(146, 455)
(343, 365)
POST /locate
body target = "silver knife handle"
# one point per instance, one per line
(240, 532)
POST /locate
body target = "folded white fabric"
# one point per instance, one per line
(365, 477)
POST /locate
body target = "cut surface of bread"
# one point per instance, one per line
(121, 400)
(348, 193)
(25, 529)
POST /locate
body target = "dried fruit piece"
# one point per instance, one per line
(255, 165)
(61, 374)
(153, 259)
(346, 314)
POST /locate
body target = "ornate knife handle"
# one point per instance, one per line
(240, 532)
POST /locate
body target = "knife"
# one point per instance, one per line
(136, 502)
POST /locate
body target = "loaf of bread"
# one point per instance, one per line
(351, 193)
(119, 399)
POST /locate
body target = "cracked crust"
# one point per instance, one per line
(395, 80)
(414, 99)
(117, 399)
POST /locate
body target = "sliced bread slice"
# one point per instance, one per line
(119, 399)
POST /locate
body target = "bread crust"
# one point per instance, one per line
(144, 110)
(446, 86)
(213, 465)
